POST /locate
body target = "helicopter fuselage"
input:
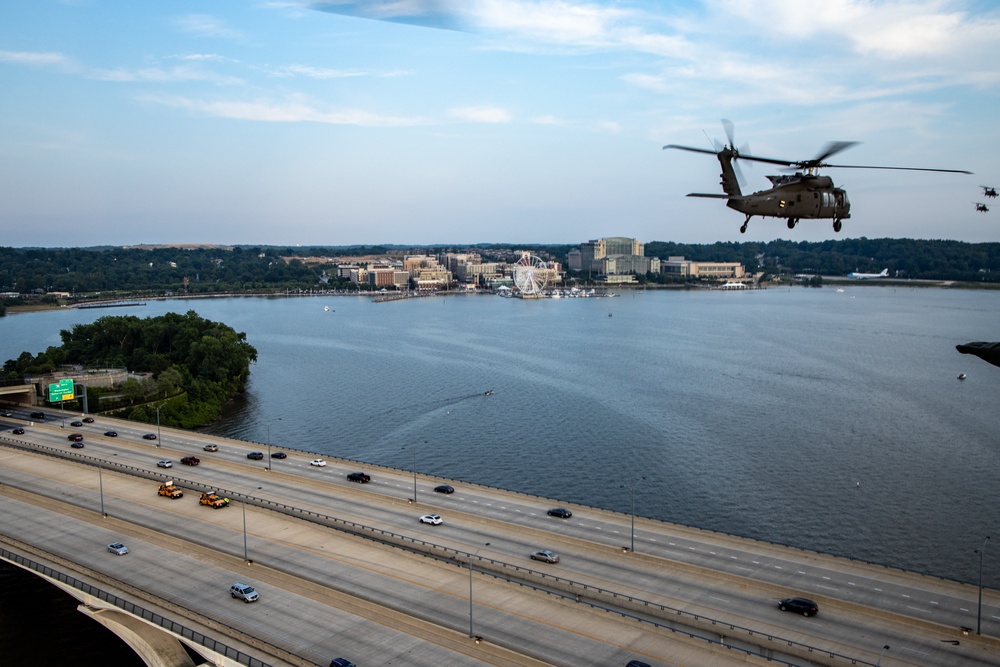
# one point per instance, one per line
(793, 197)
(796, 197)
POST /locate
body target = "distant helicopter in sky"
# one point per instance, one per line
(802, 195)
(982, 208)
(988, 191)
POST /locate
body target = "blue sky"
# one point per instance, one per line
(468, 121)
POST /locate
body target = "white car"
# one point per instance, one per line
(432, 519)
(319, 463)
(118, 549)
(166, 463)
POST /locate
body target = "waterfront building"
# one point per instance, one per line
(678, 266)
(613, 256)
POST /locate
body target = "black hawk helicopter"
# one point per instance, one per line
(988, 191)
(981, 207)
(802, 195)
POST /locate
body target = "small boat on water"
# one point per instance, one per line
(488, 392)
(961, 376)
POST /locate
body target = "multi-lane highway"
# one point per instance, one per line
(347, 568)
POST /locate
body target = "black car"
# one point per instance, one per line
(76, 444)
(76, 423)
(149, 436)
(88, 420)
(560, 512)
(38, 415)
(359, 477)
(111, 434)
(18, 431)
(637, 663)
(279, 455)
(799, 606)
(75, 437)
(341, 662)
(255, 456)
(444, 488)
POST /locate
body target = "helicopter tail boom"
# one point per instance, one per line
(730, 183)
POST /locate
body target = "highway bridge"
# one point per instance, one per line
(347, 570)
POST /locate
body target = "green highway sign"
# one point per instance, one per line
(61, 391)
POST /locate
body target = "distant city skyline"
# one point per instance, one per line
(332, 123)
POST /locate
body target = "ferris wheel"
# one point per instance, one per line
(530, 274)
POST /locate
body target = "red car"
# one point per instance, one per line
(75, 437)
(190, 461)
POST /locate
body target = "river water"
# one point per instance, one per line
(827, 419)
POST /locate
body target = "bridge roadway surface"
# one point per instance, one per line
(325, 592)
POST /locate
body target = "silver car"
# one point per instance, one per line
(118, 549)
(166, 463)
(545, 556)
(244, 592)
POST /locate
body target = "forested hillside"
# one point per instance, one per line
(187, 365)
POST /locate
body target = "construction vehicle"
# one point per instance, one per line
(214, 501)
(170, 491)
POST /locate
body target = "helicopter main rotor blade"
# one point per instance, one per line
(691, 148)
(863, 166)
(832, 148)
(754, 158)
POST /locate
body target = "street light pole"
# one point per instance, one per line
(979, 612)
(246, 558)
(158, 424)
(100, 478)
(633, 520)
(631, 488)
(269, 442)
(884, 649)
(414, 475)
(471, 633)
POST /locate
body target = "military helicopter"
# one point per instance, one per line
(981, 207)
(988, 191)
(802, 195)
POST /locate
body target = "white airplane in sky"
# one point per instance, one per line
(865, 276)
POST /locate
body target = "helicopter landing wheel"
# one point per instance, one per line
(837, 225)
(792, 222)
(743, 228)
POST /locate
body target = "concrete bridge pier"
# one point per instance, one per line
(156, 647)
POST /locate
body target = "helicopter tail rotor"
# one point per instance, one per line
(730, 128)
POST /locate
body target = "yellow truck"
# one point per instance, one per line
(213, 501)
(170, 491)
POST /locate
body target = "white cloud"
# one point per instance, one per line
(551, 20)
(310, 72)
(292, 110)
(36, 58)
(206, 26)
(481, 114)
(203, 57)
(161, 75)
(889, 29)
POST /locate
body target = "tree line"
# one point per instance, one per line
(188, 365)
(155, 270)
